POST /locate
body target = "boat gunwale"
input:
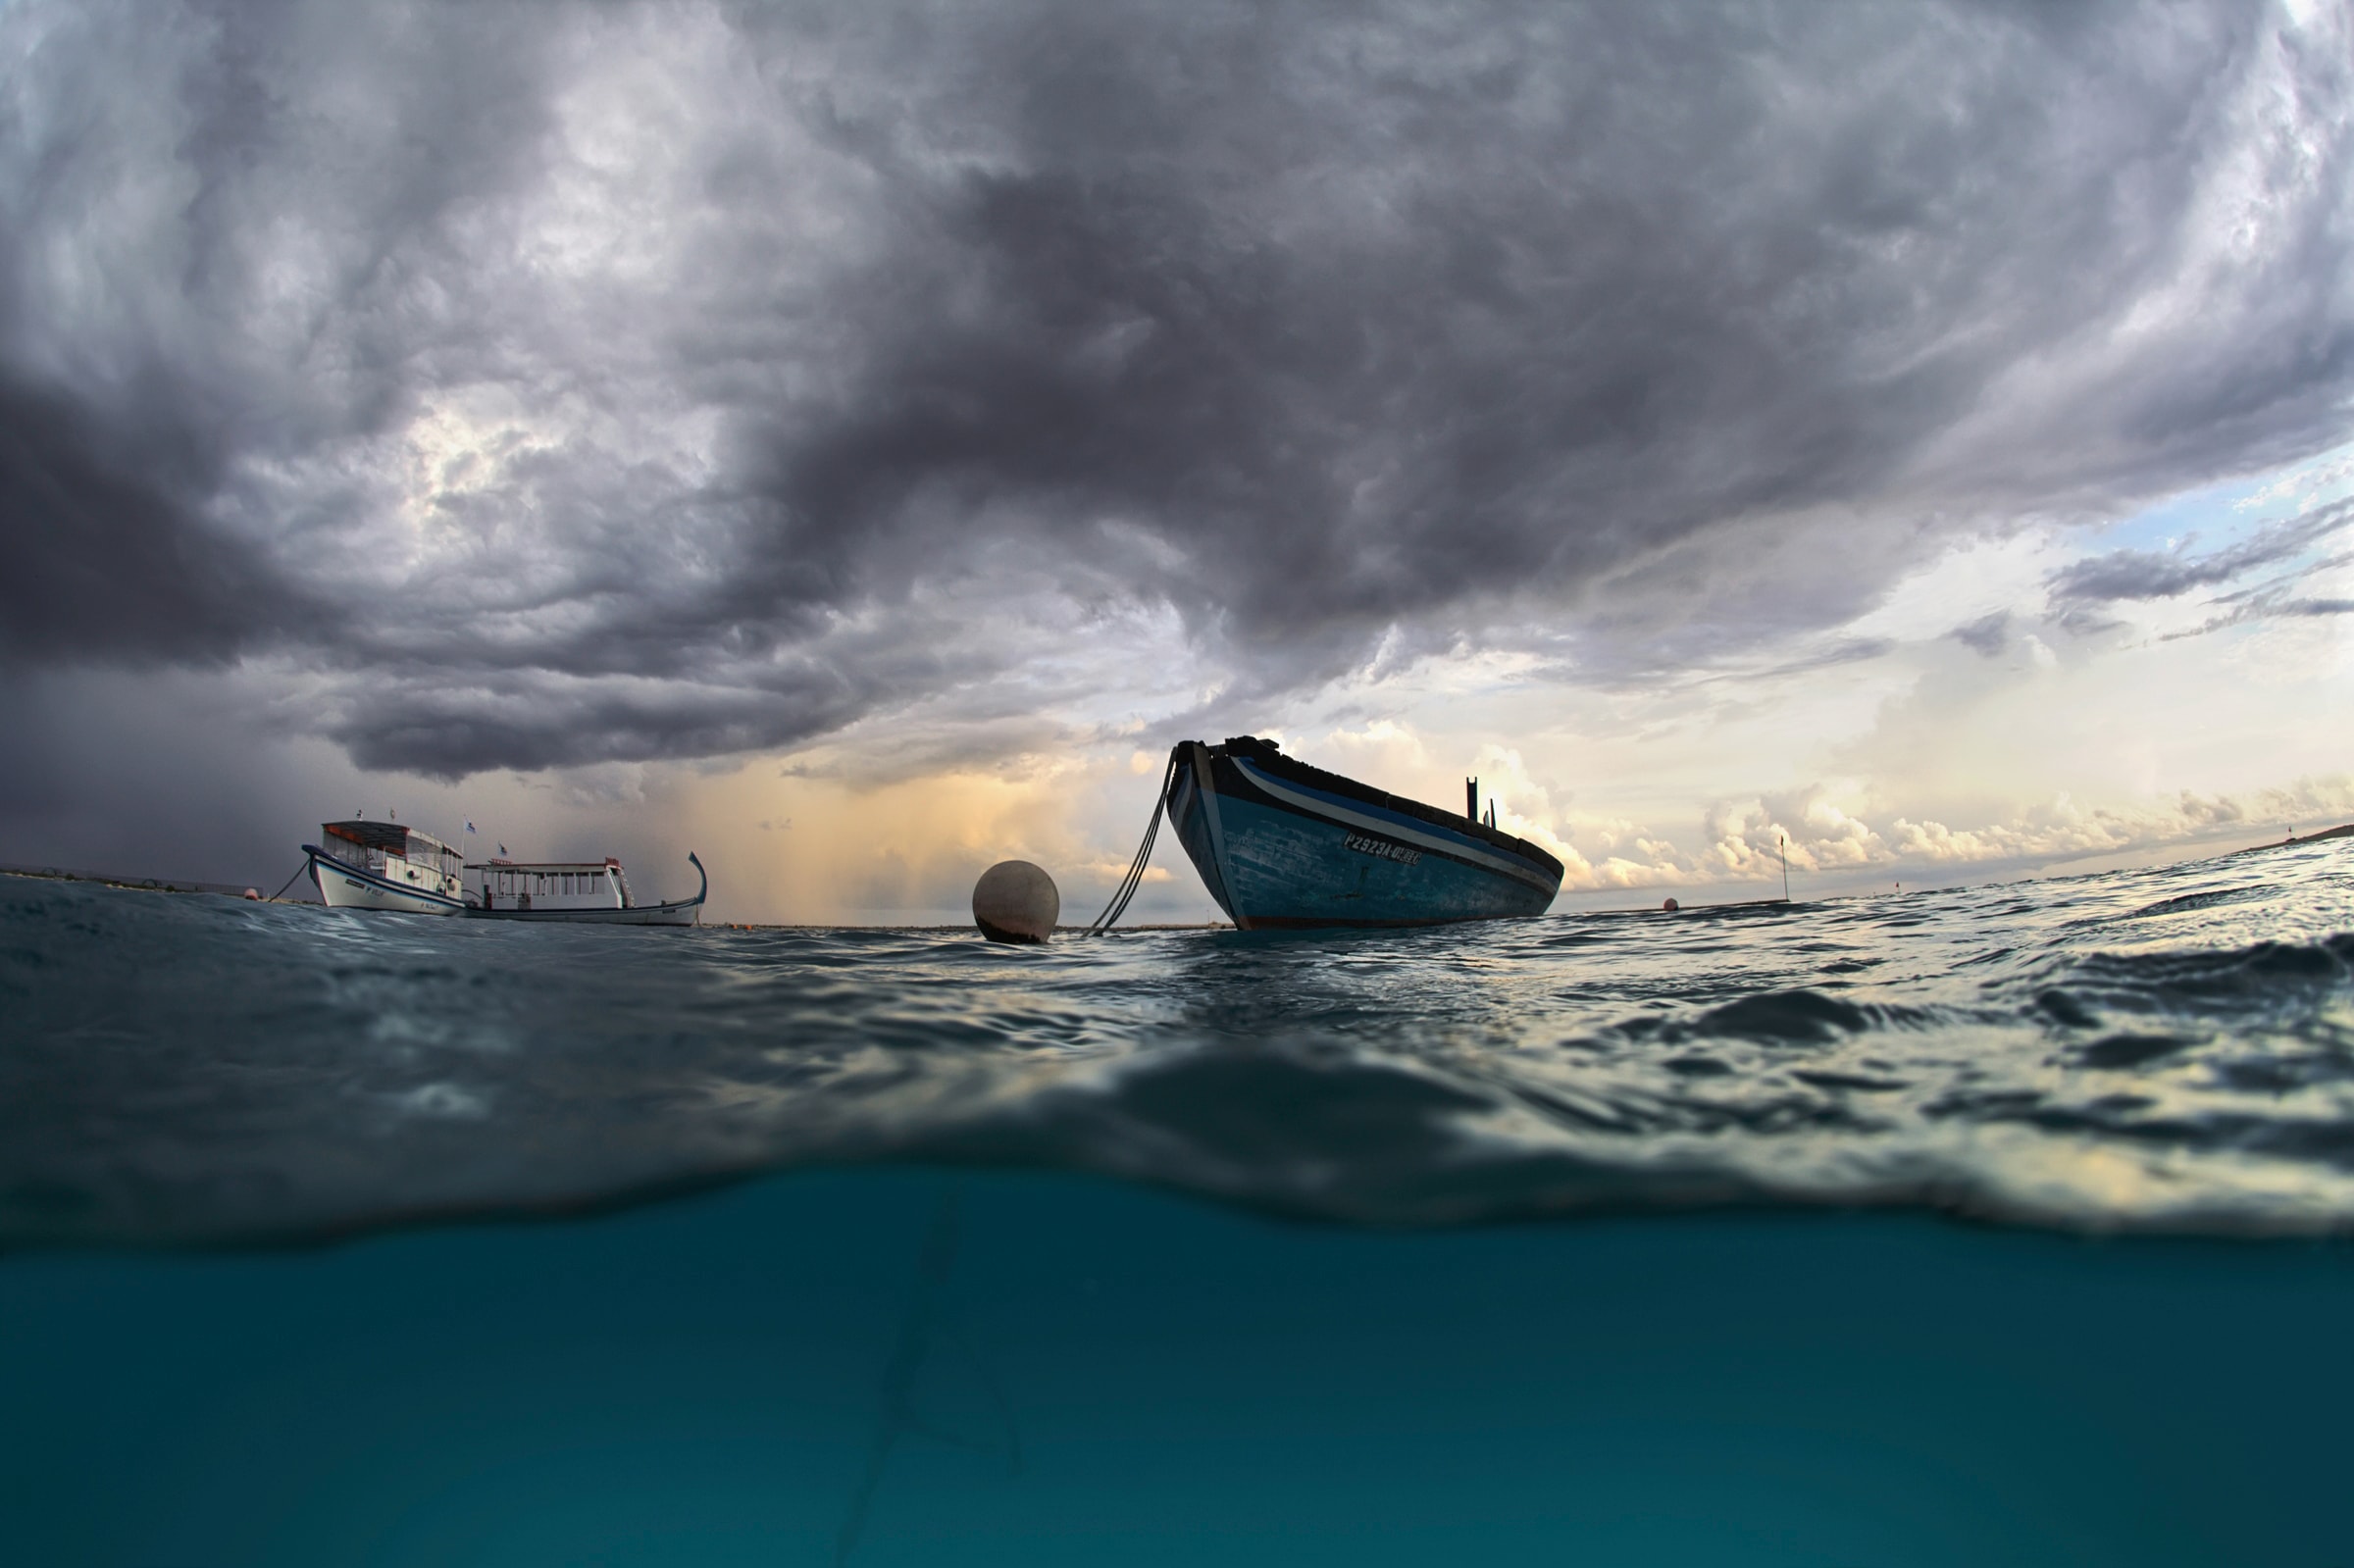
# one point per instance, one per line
(1260, 754)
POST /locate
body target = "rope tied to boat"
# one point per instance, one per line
(298, 871)
(1135, 878)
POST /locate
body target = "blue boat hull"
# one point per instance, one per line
(1280, 844)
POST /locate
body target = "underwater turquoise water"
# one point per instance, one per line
(1996, 1223)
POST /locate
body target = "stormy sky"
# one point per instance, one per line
(630, 416)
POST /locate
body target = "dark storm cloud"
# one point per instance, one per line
(102, 555)
(580, 383)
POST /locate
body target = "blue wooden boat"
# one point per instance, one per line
(1282, 845)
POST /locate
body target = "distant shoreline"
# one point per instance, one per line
(147, 885)
(2346, 831)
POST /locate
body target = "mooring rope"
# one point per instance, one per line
(1136, 868)
(298, 871)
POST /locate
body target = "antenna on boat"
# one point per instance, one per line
(1471, 798)
(1785, 843)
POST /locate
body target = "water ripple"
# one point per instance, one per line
(2168, 1049)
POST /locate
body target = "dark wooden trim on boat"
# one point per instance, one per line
(1264, 755)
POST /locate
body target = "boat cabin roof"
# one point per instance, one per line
(391, 837)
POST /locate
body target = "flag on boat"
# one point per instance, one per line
(502, 849)
(470, 827)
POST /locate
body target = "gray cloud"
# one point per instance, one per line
(540, 385)
(1987, 636)
(2162, 575)
(2270, 606)
(103, 556)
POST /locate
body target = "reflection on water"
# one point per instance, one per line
(2170, 1049)
(777, 1374)
(899, 1416)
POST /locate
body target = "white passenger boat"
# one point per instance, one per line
(588, 892)
(383, 865)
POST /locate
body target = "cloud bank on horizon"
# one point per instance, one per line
(540, 387)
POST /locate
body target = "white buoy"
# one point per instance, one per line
(1015, 901)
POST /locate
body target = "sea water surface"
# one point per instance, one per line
(1989, 1222)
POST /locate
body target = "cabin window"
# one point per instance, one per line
(568, 886)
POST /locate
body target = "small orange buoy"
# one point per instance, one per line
(1670, 906)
